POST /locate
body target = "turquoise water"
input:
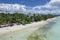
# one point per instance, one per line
(54, 32)
(50, 31)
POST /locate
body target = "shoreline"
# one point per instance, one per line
(20, 27)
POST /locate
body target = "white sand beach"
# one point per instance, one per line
(20, 27)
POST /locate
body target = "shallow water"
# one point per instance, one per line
(50, 31)
(54, 32)
(18, 35)
(46, 32)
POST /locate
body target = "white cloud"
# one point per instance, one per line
(51, 7)
(54, 1)
(12, 7)
(48, 5)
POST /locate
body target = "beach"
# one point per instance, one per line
(20, 27)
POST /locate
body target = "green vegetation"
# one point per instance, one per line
(36, 36)
(7, 18)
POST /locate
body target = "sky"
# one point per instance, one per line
(33, 6)
(25, 2)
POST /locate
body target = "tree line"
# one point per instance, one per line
(20, 18)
